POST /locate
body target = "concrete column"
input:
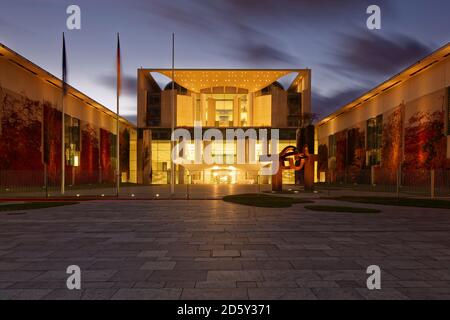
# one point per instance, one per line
(203, 108)
(250, 110)
(211, 112)
(306, 92)
(236, 112)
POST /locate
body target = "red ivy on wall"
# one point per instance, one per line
(20, 140)
(425, 146)
(356, 155)
(425, 142)
(341, 150)
(323, 158)
(90, 160)
(52, 143)
(107, 172)
(391, 153)
(30, 138)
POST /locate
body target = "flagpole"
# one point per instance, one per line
(172, 169)
(118, 123)
(63, 155)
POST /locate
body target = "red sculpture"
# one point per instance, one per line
(297, 160)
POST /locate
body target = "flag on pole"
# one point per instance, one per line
(119, 84)
(63, 134)
(64, 66)
(172, 163)
(119, 67)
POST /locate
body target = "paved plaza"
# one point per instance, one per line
(209, 249)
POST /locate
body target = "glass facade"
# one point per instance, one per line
(288, 175)
(160, 161)
(72, 141)
(224, 171)
(218, 108)
(224, 113)
(217, 99)
(294, 109)
(153, 109)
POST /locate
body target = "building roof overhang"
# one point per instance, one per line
(250, 79)
(44, 75)
(412, 71)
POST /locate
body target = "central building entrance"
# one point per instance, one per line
(223, 174)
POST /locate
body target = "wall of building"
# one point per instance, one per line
(414, 133)
(30, 132)
(185, 111)
(280, 111)
(262, 111)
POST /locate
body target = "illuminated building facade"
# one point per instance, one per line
(220, 99)
(400, 130)
(31, 131)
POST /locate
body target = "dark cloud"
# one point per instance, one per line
(129, 83)
(372, 54)
(368, 58)
(214, 14)
(224, 22)
(324, 105)
(257, 48)
(233, 22)
(196, 15)
(257, 53)
(314, 10)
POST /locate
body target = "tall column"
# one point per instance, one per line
(236, 112)
(203, 109)
(306, 92)
(211, 112)
(250, 110)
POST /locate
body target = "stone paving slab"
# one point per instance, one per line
(216, 250)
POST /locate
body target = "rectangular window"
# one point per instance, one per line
(332, 146)
(153, 109)
(72, 136)
(224, 113)
(294, 109)
(374, 140)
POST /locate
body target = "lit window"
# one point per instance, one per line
(224, 113)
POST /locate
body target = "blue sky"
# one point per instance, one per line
(328, 36)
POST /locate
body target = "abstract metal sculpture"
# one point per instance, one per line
(297, 160)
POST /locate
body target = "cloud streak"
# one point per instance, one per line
(129, 83)
(370, 53)
(226, 23)
(327, 104)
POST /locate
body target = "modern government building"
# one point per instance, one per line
(221, 99)
(400, 126)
